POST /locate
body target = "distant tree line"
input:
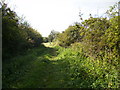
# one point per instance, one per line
(52, 36)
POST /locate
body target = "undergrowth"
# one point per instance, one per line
(58, 67)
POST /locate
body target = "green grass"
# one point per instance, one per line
(57, 67)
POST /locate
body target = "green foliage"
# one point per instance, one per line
(99, 40)
(33, 36)
(53, 35)
(71, 35)
(93, 40)
(91, 60)
(59, 67)
(15, 68)
(113, 11)
(99, 37)
(17, 37)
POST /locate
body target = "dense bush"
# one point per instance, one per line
(16, 36)
(102, 39)
(85, 72)
(70, 35)
(99, 40)
(99, 37)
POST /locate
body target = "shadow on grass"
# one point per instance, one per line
(35, 70)
(15, 68)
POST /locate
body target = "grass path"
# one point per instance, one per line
(46, 72)
(47, 67)
(56, 67)
(40, 69)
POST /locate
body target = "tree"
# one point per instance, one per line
(53, 35)
(70, 35)
(16, 36)
(11, 34)
(102, 38)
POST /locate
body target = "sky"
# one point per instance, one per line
(47, 15)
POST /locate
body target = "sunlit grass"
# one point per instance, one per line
(58, 67)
